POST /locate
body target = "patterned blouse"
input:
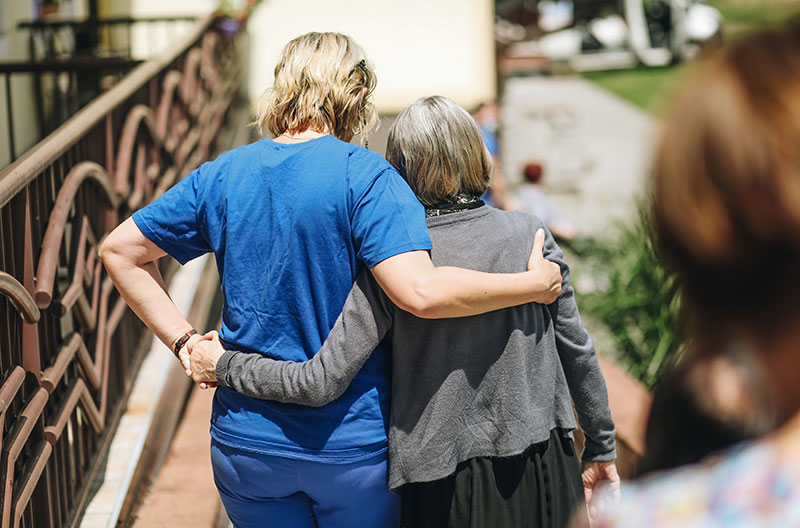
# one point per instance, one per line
(748, 486)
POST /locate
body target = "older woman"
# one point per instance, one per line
(481, 413)
(291, 221)
(726, 204)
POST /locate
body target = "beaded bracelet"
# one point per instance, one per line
(182, 340)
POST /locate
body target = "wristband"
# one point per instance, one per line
(182, 341)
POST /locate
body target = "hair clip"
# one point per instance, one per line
(362, 63)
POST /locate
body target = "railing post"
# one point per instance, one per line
(31, 360)
(11, 147)
(37, 82)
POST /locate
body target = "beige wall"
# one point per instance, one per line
(151, 39)
(418, 47)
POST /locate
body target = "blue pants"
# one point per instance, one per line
(270, 491)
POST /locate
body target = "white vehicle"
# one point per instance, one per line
(607, 34)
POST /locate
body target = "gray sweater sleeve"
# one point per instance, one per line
(576, 350)
(364, 321)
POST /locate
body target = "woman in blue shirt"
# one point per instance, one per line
(291, 221)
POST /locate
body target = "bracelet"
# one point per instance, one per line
(182, 341)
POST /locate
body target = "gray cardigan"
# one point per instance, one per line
(486, 385)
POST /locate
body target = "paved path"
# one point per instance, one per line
(183, 493)
(595, 147)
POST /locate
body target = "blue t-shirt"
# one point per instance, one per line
(290, 226)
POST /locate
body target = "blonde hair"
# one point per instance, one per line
(319, 84)
(437, 147)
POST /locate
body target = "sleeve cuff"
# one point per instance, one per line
(222, 367)
(608, 456)
(372, 259)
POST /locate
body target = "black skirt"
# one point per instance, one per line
(540, 487)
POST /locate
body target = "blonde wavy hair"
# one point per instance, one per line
(319, 84)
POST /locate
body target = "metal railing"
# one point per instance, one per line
(111, 36)
(69, 347)
(71, 61)
(84, 77)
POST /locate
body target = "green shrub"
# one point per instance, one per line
(634, 297)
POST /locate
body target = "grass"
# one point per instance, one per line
(644, 87)
(757, 13)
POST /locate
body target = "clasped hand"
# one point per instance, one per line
(595, 475)
(200, 356)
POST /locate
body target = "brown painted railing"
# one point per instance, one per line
(84, 78)
(69, 347)
(110, 36)
(72, 61)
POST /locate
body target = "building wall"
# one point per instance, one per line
(418, 47)
(153, 38)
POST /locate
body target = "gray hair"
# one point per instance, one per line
(438, 148)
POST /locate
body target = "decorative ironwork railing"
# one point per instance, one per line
(70, 62)
(110, 36)
(69, 347)
(64, 100)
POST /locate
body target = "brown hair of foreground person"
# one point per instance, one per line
(726, 189)
(726, 214)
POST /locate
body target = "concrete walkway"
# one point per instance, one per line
(595, 148)
(183, 493)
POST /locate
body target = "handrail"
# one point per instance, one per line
(69, 64)
(20, 297)
(17, 175)
(110, 21)
(69, 347)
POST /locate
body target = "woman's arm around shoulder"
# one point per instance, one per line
(415, 285)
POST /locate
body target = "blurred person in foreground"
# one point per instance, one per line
(481, 418)
(726, 208)
(722, 398)
(291, 222)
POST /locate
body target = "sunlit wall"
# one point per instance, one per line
(418, 47)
